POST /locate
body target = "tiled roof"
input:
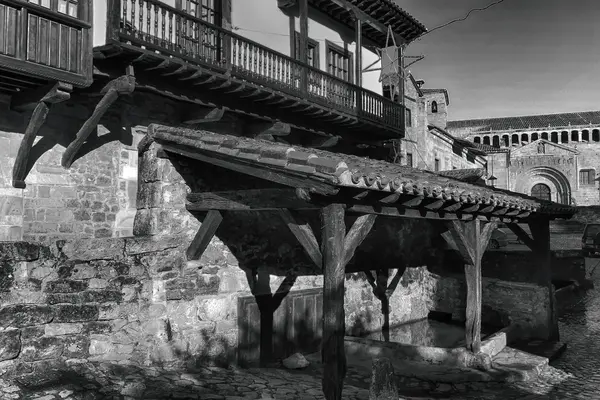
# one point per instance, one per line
(471, 175)
(425, 91)
(348, 171)
(547, 121)
(486, 148)
(391, 4)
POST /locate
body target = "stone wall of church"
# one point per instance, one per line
(588, 158)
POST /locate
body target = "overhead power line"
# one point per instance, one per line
(460, 19)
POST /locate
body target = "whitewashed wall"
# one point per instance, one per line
(263, 22)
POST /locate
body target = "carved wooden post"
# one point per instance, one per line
(540, 231)
(334, 357)
(358, 62)
(471, 242)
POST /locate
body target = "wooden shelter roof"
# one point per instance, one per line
(319, 170)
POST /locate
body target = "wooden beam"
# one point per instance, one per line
(540, 231)
(303, 43)
(333, 354)
(358, 56)
(522, 235)
(304, 233)
(115, 88)
(204, 235)
(245, 200)
(59, 92)
(357, 234)
(204, 115)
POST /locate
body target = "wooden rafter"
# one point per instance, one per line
(57, 93)
(204, 115)
(115, 88)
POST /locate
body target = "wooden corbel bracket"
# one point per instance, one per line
(57, 93)
(123, 85)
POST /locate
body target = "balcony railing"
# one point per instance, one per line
(43, 43)
(157, 26)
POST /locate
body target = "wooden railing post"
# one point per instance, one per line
(113, 20)
(358, 64)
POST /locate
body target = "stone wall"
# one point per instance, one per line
(96, 196)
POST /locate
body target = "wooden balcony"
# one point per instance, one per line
(40, 45)
(175, 49)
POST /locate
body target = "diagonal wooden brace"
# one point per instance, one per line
(121, 86)
(59, 92)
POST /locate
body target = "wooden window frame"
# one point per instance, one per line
(408, 116)
(591, 177)
(311, 43)
(54, 5)
(332, 47)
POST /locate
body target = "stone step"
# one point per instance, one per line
(518, 365)
(543, 348)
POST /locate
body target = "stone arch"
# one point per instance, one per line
(554, 137)
(534, 136)
(585, 135)
(515, 139)
(486, 140)
(559, 185)
(496, 141)
(595, 135)
(506, 140)
(476, 139)
(574, 136)
(545, 135)
(524, 138)
(564, 137)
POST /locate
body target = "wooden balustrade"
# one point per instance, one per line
(33, 36)
(157, 26)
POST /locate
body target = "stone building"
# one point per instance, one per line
(554, 157)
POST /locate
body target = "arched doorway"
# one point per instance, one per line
(541, 191)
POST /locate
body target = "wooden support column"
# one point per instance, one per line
(204, 235)
(115, 88)
(303, 43)
(59, 92)
(333, 354)
(471, 242)
(358, 60)
(540, 231)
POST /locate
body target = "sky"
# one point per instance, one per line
(520, 57)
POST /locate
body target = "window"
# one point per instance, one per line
(586, 177)
(339, 61)
(313, 51)
(434, 107)
(437, 165)
(408, 117)
(453, 167)
(541, 192)
(409, 160)
(206, 10)
(194, 39)
(68, 7)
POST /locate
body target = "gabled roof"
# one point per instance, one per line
(416, 85)
(470, 146)
(293, 164)
(426, 91)
(549, 143)
(538, 122)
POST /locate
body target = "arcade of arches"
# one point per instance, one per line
(544, 183)
(519, 139)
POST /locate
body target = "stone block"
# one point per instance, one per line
(7, 275)
(75, 313)
(10, 344)
(55, 329)
(65, 286)
(11, 205)
(98, 347)
(217, 309)
(96, 283)
(97, 327)
(19, 251)
(146, 222)
(43, 348)
(145, 245)
(20, 315)
(32, 332)
(76, 346)
(94, 249)
(149, 195)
